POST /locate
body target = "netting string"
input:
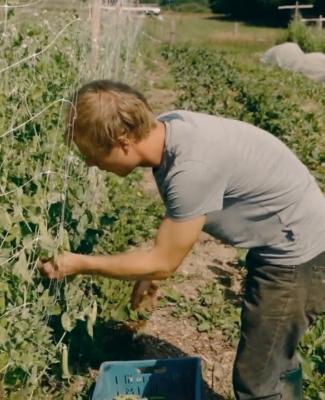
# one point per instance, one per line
(65, 176)
(21, 5)
(41, 51)
(34, 117)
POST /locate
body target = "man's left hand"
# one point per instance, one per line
(64, 265)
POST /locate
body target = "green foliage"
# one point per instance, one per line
(310, 39)
(312, 353)
(273, 100)
(209, 309)
(49, 201)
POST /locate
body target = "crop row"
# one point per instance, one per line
(284, 104)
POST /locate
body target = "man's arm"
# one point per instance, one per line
(173, 242)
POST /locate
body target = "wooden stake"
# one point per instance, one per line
(320, 22)
(296, 7)
(236, 29)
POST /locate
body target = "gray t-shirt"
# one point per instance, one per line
(255, 192)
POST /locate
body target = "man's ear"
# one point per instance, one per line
(124, 143)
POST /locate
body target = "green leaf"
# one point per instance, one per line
(3, 336)
(4, 359)
(21, 268)
(54, 309)
(64, 240)
(121, 313)
(204, 327)
(172, 294)
(5, 220)
(90, 327)
(2, 303)
(66, 322)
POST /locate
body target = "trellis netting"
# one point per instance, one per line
(48, 198)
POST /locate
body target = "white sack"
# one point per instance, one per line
(290, 56)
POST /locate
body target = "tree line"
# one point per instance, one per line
(262, 9)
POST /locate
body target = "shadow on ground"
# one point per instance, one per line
(116, 341)
(226, 280)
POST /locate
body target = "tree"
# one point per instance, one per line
(320, 7)
(218, 6)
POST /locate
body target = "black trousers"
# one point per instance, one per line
(280, 302)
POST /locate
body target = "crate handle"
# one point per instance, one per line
(152, 370)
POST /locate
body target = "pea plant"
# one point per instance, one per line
(51, 202)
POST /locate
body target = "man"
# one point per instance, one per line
(234, 181)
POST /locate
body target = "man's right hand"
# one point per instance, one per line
(144, 295)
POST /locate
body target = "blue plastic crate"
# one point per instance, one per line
(172, 379)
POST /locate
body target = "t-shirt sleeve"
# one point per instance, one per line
(192, 190)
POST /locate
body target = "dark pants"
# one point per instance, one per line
(280, 302)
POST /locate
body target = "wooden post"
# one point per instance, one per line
(5, 22)
(296, 7)
(320, 23)
(297, 11)
(95, 33)
(236, 29)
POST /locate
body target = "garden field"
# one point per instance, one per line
(54, 335)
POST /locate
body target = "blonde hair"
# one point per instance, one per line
(103, 110)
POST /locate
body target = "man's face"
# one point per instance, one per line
(120, 160)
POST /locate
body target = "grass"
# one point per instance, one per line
(245, 42)
(244, 49)
(310, 39)
(211, 30)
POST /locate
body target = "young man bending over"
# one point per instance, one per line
(232, 180)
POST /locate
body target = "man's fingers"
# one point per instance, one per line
(136, 299)
(137, 294)
(153, 289)
(141, 291)
(49, 269)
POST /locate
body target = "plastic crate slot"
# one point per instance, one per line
(116, 380)
(128, 379)
(152, 370)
